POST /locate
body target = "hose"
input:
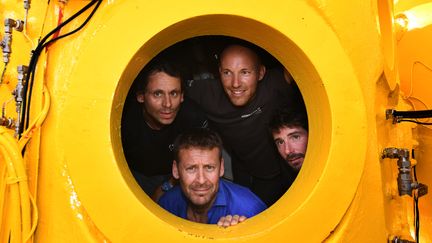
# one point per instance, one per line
(11, 225)
(21, 201)
(27, 134)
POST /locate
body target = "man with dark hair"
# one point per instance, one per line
(240, 107)
(290, 134)
(155, 113)
(201, 196)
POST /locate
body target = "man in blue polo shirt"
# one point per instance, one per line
(201, 196)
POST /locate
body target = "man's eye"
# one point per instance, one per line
(226, 72)
(295, 137)
(279, 142)
(245, 72)
(210, 168)
(174, 94)
(157, 94)
(190, 169)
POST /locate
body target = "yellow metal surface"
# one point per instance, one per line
(415, 29)
(414, 23)
(344, 55)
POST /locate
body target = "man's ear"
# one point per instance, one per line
(222, 168)
(261, 72)
(175, 170)
(140, 96)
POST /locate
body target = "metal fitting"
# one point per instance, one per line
(7, 122)
(19, 94)
(404, 179)
(397, 239)
(27, 4)
(19, 90)
(6, 43)
(11, 24)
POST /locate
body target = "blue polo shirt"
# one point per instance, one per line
(230, 199)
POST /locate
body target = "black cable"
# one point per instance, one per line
(416, 209)
(62, 36)
(38, 50)
(412, 114)
(80, 27)
(417, 122)
(417, 219)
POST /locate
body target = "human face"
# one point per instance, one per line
(291, 143)
(240, 72)
(198, 171)
(161, 99)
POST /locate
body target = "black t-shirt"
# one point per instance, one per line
(244, 130)
(149, 151)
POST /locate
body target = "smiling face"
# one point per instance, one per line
(161, 99)
(291, 143)
(198, 171)
(240, 71)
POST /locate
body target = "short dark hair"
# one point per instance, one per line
(288, 118)
(158, 64)
(202, 138)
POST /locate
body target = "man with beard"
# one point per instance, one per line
(155, 113)
(202, 196)
(290, 134)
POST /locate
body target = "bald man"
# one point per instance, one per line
(240, 107)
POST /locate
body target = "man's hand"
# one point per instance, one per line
(230, 220)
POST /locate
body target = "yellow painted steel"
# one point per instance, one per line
(346, 57)
(414, 28)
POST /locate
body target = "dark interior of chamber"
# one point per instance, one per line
(197, 58)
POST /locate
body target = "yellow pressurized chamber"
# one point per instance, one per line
(340, 53)
(122, 54)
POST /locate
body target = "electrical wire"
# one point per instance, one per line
(415, 121)
(410, 100)
(36, 53)
(25, 29)
(27, 134)
(412, 74)
(3, 73)
(416, 209)
(17, 178)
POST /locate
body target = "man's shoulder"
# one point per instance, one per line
(191, 114)
(242, 200)
(275, 77)
(237, 191)
(190, 106)
(204, 91)
(171, 199)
